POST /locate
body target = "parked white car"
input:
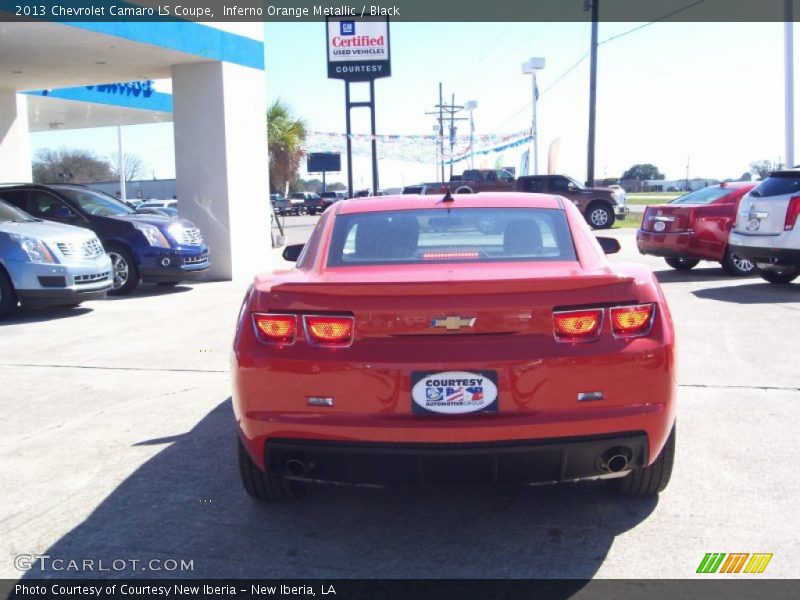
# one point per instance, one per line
(48, 264)
(767, 231)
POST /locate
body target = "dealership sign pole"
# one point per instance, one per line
(358, 51)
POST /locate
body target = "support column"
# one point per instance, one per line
(15, 146)
(221, 163)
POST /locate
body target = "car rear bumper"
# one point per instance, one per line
(675, 245)
(621, 211)
(538, 400)
(523, 461)
(779, 257)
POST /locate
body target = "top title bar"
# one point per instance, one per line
(288, 11)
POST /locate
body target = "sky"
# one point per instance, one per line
(707, 94)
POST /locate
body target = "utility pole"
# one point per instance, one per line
(592, 5)
(688, 157)
(788, 37)
(451, 109)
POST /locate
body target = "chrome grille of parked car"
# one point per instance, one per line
(195, 260)
(93, 278)
(188, 236)
(89, 249)
(92, 248)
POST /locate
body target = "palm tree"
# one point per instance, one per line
(285, 137)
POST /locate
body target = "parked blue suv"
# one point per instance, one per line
(142, 247)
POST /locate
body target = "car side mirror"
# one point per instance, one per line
(609, 245)
(571, 187)
(292, 252)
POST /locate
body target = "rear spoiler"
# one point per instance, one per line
(451, 288)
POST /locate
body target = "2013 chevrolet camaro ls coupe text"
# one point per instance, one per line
(454, 340)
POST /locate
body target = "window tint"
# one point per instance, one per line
(778, 185)
(18, 198)
(95, 203)
(461, 235)
(531, 184)
(559, 184)
(704, 196)
(12, 213)
(44, 205)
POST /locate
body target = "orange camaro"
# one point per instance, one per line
(455, 339)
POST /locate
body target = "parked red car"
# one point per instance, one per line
(480, 337)
(695, 227)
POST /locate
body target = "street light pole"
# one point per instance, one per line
(531, 66)
(788, 37)
(595, 8)
(123, 193)
(470, 106)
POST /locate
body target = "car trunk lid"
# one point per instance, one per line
(668, 218)
(458, 301)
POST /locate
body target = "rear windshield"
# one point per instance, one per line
(459, 235)
(778, 184)
(704, 196)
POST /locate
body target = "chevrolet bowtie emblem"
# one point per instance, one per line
(453, 323)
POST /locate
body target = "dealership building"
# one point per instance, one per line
(61, 76)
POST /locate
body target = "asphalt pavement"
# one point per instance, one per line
(117, 438)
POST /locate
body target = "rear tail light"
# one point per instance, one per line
(632, 321)
(792, 211)
(577, 325)
(690, 220)
(279, 329)
(329, 331)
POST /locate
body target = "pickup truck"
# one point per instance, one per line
(599, 206)
(470, 181)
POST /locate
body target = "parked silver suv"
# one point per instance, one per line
(767, 231)
(48, 264)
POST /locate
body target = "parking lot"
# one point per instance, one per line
(118, 443)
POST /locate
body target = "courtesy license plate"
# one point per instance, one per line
(453, 392)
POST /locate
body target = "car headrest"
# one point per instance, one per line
(522, 237)
(387, 238)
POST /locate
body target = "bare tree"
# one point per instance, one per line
(134, 166)
(762, 168)
(69, 166)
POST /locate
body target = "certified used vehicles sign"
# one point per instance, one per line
(453, 392)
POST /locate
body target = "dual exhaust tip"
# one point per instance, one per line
(295, 467)
(615, 460)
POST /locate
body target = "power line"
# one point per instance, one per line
(606, 41)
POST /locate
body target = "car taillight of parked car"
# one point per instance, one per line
(577, 325)
(274, 328)
(329, 331)
(792, 212)
(586, 325)
(321, 330)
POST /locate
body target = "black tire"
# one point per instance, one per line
(652, 479)
(600, 215)
(261, 486)
(464, 190)
(682, 264)
(736, 265)
(125, 271)
(779, 277)
(8, 297)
